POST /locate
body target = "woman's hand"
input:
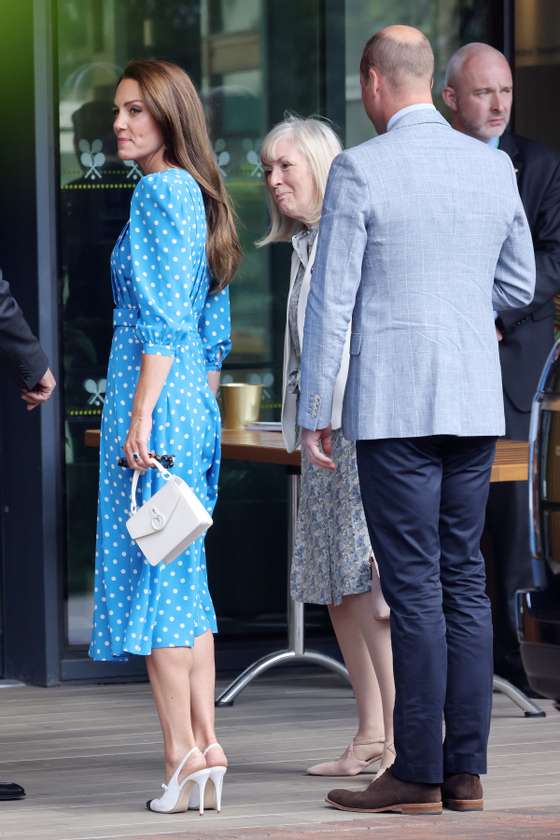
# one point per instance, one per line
(136, 444)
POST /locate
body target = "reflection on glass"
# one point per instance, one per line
(537, 70)
(219, 43)
(95, 191)
(448, 24)
(551, 457)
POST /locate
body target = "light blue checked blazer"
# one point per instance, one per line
(422, 236)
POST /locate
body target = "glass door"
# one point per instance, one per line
(448, 24)
(247, 69)
(536, 76)
(537, 70)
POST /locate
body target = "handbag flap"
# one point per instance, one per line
(154, 514)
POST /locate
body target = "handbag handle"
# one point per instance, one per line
(165, 474)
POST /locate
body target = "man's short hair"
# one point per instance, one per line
(460, 58)
(399, 61)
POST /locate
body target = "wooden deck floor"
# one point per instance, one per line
(89, 757)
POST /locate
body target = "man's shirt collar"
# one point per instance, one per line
(419, 106)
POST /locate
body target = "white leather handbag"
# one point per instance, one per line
(169, 522)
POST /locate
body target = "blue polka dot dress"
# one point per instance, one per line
(163, 306)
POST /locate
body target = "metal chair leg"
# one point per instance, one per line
(516, 696)
(229, 694)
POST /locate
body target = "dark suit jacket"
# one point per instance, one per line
(529, 332)
(19, 349)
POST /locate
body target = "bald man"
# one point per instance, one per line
(416, 250)
(478, 93)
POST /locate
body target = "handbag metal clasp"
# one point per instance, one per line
(158, 519)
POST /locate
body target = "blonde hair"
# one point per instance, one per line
(173, 102)
(319, 144)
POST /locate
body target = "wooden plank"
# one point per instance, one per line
(510, 464)
(90, 756)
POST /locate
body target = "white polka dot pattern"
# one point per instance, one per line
(161, 286)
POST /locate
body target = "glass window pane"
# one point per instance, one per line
(221, 43)
(537, 70)
(448, 24)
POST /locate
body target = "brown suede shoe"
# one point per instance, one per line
(463, 792)
(387, 793)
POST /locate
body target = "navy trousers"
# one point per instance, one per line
(424, 500)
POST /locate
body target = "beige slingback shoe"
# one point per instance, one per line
(350, 763)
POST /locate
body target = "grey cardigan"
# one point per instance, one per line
(290, 429)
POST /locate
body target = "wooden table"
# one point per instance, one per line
(511, 463)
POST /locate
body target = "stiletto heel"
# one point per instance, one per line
(178, 794)
(213, 792)
(214, 795)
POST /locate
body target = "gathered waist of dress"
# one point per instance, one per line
(161, 333)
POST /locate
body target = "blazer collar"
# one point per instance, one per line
(419, 117)
(508, 144)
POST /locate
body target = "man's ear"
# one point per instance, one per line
(374, 79)
(450, 98)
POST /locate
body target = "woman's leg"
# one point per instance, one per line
(365, 643)
(169, 672)
(203, 683)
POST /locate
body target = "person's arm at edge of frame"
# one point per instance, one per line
(21, 348)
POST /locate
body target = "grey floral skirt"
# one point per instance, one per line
(332, 548)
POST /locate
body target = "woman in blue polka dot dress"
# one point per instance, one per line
(170, 268)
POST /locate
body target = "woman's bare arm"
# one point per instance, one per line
(153, 375)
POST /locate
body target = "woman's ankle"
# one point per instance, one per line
(367, 737)
(216, 757)
(173, 756)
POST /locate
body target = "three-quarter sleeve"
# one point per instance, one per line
(166, 230)
(214, 327)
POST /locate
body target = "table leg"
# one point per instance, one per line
(296, 623)
(516, 696)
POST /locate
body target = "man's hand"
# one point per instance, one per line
(499, 334)
(41, 392)
(318, 447)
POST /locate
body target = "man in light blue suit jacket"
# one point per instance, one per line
(423, 235)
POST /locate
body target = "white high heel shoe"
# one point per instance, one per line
(178, 794)
(212, 793)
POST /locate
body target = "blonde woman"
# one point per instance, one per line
(332, 562)
(170, 269)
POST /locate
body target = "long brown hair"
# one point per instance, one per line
(173, 102)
